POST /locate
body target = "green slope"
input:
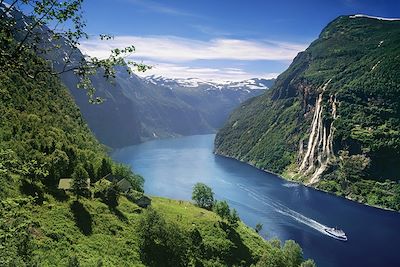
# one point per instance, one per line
(43, 138)
(348, 78)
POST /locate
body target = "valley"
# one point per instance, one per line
(170, 144)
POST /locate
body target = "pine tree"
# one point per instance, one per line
(80, 181)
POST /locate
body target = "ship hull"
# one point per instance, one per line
(341, 238)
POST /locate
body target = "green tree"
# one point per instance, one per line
(234, 218)
(203, 196)
(111, 195)
(308, 263)
(222, 209)
(64, 18)
(293, 253)
(80, 181)
(352, 167)
(162, 243)
(58, 162)
(196, 245)
(90, 170)
(273, 257)
(34, 170)
(16, 244)
(104, 169)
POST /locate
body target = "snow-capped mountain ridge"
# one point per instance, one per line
(250, 84)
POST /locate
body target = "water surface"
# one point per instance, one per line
(287, 211)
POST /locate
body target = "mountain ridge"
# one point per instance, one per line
(331, 120)
(151, 109)
(136, 110)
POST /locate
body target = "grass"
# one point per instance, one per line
(94, 233)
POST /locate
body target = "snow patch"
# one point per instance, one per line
(372, 17)
(246, 86)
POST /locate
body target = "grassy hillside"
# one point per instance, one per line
(93, 233)
(332, 119)
(43, 138)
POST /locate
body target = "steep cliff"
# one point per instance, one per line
(332, 119)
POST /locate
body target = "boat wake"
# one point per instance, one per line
(282, 209)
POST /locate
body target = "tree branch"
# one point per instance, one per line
(30, 31)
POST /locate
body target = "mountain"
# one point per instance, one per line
(44, 137)
(332, 119)
(139, 109)
(250, 84)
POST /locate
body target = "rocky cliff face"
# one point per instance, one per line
(332, 120)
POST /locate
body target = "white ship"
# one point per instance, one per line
(336, 233)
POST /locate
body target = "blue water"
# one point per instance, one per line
(287, 211)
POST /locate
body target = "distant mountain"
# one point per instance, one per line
(251, 84)
(332, 119)
(140, 109)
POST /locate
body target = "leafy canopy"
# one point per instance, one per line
(65, 26)
(203, 195)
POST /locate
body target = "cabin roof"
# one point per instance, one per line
(124, 184)
(66, 183)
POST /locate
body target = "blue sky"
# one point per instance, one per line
(219, 39)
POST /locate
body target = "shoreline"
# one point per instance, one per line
(306, 185)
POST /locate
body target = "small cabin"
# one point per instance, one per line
(123, 184)
(143, 201)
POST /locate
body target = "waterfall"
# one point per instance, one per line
(320, 142)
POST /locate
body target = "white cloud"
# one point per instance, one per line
(176, 57)
(170, 70)
(175, 49)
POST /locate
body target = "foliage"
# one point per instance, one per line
(352, 167)
(42, 123)
(290, 255)
(360, 58)
(233, 218)
(161, 243)
(16, 246)
(42, 135)
(223, 210)
(125, 172)
(293, 253)
(19, 36)
(105, 168)
(73, 262)
(203, 195)
(308, 263)
(80, 181)
(111, 195)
